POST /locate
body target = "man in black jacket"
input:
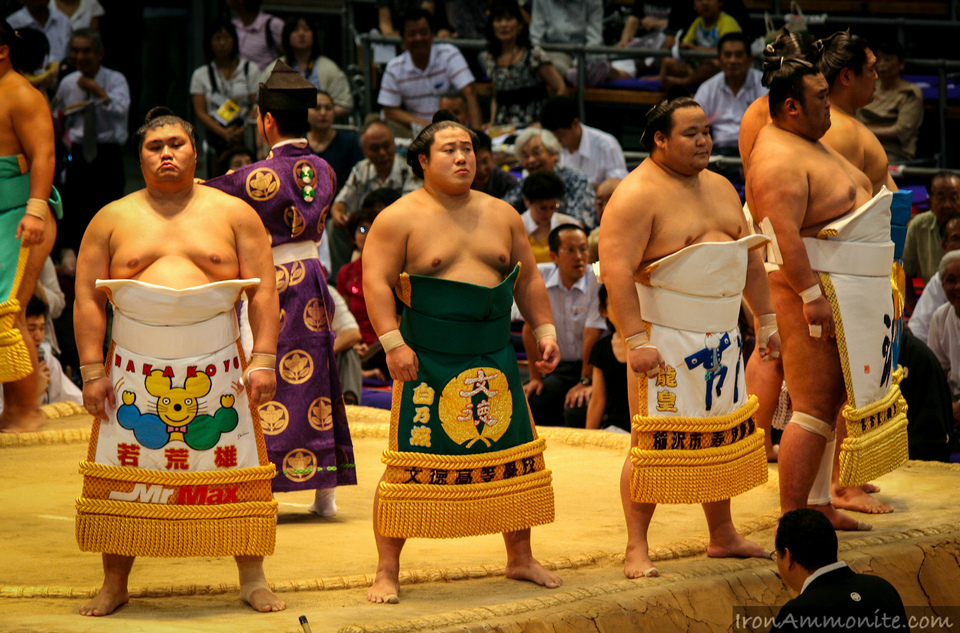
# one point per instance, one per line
(832, 596)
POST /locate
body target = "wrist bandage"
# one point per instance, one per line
(37, 208)
(260, 362)
(811, 294)
(638, 340)
(93, 371)
(547, 329)
(391, 340)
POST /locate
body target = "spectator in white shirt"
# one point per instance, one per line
(561, 398)
(586, 149)
(44, 16)
(415, 80)
(96, 102)
(56, 387)
(727, 95)
(933, 296)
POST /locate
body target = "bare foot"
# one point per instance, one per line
(841, 521)
(870, 488)
(736, 547)
(385, 589)
(637, 563)
(106, 601)
(534, 572)
(856, 499)
(22, 421)
(262, 599)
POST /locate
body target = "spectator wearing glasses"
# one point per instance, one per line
(561, 397)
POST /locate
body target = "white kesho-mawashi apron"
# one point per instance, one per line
(853, 257)
(697, 438)
(179, 468)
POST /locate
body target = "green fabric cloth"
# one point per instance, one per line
(14, 192)
(457, 329)
(15, 188)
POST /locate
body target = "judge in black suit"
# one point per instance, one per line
(832, 596)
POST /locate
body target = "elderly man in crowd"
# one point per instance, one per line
(923, 250)
(382, 167)
(538, 150)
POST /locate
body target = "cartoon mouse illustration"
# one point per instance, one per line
(177, 415)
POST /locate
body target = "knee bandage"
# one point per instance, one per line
(820, 490)
(812, 425)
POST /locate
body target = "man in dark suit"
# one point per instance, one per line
(832, 596)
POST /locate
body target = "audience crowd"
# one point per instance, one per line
(532, 150)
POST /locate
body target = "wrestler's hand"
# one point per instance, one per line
(549, 355)
(263, 386)
(645, 361)
(98, 395)
(535, 386)
(403, 363)
(819, 313)
(772, 351)
(31, 229)
(578, 396)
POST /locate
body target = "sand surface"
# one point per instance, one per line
(322, 566)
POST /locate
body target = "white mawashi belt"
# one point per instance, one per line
(688, 312)
(177, 341)
(294, 251)
(850, 258)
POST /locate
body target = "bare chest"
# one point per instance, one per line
(474, 251)
(176, 247)
(687, 220)
(836, 187)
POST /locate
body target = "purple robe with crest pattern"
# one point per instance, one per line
(305, 425)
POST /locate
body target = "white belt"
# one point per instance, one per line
(850, 258)
(177, 341)
(294, 251)
(688, 312)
